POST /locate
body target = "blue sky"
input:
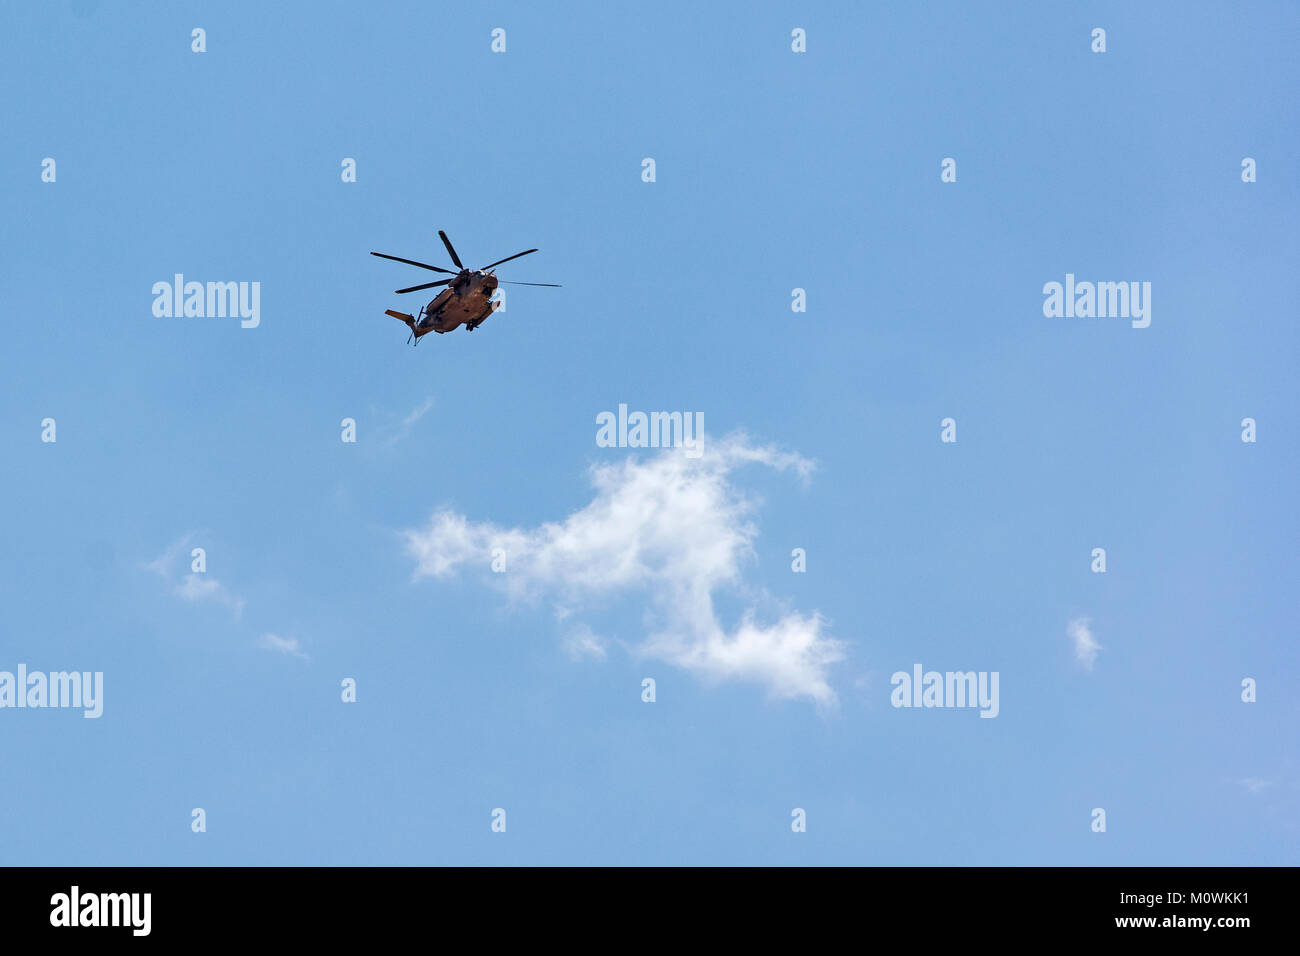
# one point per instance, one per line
(774, 171)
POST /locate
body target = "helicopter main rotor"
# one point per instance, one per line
(451, 251)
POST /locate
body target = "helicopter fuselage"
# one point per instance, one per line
(466, 301)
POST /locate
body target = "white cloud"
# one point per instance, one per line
(418, 412)
(165, 564)
(195, 587)
(284, 645)
(399, 432)
(669, 527)
(1085, 645)
(582, 643)
(203, 587)
(1254, 784)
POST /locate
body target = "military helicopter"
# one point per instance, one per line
(467, 300)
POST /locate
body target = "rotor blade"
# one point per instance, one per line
(549, 285)
(447, 242)
(412, 262)
(508, 258)
(427, 285)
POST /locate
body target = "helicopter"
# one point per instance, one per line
(466, 300)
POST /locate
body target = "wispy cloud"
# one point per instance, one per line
(671, 528)
(583, 644)
(1254, 784)
(196, 588)
(418, 412)
(167, 564)
(283, 645)
(1085, 645)
(173, 566)
(399, 432)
